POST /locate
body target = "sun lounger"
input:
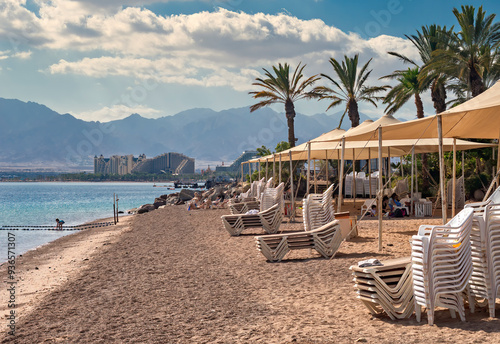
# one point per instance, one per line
(269, 217)
(325, 240)
(317, 209)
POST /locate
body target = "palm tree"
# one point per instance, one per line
(351, 87)
(281, 88)
(407, 87)
(469, 51)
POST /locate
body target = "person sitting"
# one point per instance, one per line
(373, 210)
(394, 201)
(385, 204)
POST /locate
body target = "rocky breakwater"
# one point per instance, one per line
(224, 191)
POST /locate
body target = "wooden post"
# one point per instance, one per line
(259, 169)
(292, 195)
(326, 165)
(308, 185)
(380, 189)
(412, 175)
(389, 167)
(454, 191)
(117, 219)
(370, 172)
(279, 177)
(341, 175)
(274, 169)
(267, 169)
(354, 176)
(114, 209)
(315, 177)
(441, 169)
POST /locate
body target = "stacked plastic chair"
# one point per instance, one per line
(317, 209)
(485, 245)
(374, 184)
(360, 183)
(386, 288)
(348, 187)
(242, 207)
(269, 217)
(442, 265)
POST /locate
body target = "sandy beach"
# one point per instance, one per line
(173, 276)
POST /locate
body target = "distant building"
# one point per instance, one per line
(236, 165)
(174, 163)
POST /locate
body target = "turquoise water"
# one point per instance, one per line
(35, 204)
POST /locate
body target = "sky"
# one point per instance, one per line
(104, 60)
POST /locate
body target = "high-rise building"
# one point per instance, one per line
(165, 163)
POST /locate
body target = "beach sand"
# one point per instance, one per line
(173, 276)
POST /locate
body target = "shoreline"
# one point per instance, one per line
(47, 267)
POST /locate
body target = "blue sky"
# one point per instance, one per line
(103, 60)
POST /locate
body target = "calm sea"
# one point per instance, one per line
(34, 204)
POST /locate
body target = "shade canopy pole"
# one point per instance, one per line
(279, 177)
(389, 167)
(308, 185)
(498, 162)
(292, 195)
(326, 165)
(354, 176)
(250, 172)
(267, 168)
(259, 169)
(380, 190)
(274, 169)
(441, 168)
(242, 180)
(454, 191)
(341, 175)
(369, 173)
(315, 177)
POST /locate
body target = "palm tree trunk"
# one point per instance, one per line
(290, 116)
(420, 114)
(353, 112)
(438, 94)
(476, 81)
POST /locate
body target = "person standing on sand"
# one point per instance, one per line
(59, 224)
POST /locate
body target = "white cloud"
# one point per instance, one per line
(116, 112)
(211, 49)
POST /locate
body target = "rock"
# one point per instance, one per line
(159, 203)
(186, 195)
(145, 208)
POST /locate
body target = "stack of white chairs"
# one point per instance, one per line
(249, 203)
(360, 183)
(348, 187)
(386, 288)
(269, 217)
(442, 265)
(485, 244)
(317, 209)
(374, 184)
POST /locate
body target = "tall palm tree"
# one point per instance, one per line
(408, 86)
(286, 89)
(469, 50)
(351, 87)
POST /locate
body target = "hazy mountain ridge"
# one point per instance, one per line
(31, 132)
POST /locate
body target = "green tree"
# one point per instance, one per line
(286, 89)
(351, 88)
(468, 56)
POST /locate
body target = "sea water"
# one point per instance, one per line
(39, 204)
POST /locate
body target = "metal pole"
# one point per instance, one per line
(341, 175)
(441, 169)
(308, 167)
(454, 191)
(380, 190)
(292, 198)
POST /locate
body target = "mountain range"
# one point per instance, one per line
(31, 134)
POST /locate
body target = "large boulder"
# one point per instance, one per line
(145, 208)
(186, 195)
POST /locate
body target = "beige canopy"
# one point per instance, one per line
(478, 118)
(356, 150)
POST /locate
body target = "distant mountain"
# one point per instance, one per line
(31, 133)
